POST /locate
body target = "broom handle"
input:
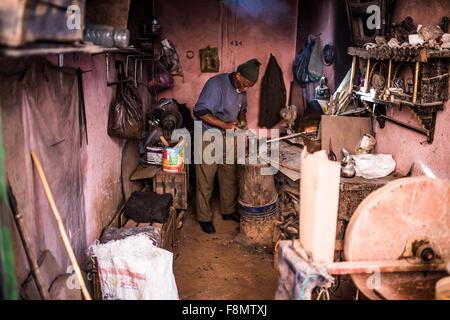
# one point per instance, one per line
(62, 231)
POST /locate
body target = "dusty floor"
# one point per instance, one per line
(221, 266)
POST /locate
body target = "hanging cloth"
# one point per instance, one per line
(273, 95)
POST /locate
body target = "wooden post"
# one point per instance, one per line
(389, 74)
(352, 78)
(416, 81)
(366, 80)
(62, 231)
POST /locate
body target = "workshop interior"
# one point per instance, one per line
(224, 150)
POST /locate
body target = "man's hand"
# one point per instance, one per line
(210, 119)
(231, 125)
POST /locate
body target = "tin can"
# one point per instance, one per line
(154, 155)
(173, 159)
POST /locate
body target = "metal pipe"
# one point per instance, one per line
(107, 67)
(404, 125)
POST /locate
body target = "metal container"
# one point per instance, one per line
(173, 159)
(154, 155)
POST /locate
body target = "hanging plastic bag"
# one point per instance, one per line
(134, 269)
(126, 119)
(170, 58)
(159, 78)
(301, 62)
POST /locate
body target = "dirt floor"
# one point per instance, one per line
(221, 266)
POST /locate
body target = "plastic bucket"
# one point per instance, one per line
(173, 159)
(154, 155)
(257, 223)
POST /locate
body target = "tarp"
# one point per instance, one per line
(47, 99)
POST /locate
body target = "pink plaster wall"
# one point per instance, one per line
(264, 27)
(102, 157)
(101, 161)
(406, 146)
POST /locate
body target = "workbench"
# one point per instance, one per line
(352, 191)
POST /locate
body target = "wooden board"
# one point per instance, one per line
(130, 160)
(107, 12)
(169, 229)
(290, 155)
(145, 172)
(174, 183)
(344, 132)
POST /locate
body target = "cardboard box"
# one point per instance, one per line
(343, 132)
(25, 21)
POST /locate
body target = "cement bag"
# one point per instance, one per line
(372, 166)
(134, 269)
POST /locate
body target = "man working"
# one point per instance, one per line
(222, 105)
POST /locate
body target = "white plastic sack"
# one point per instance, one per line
(134, 269)
(372, 166)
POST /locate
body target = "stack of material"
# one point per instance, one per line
(287, 223)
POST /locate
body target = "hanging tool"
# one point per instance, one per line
(59, 221)
(280, 164)
(331, 154)
(286, 137)
(164, 141)
(27, 245)
(81, 107)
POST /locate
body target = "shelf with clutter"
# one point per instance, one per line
(382, 85)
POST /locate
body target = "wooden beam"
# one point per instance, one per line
(366, 80)
(352, 79)
(389, 74)
(416, 82)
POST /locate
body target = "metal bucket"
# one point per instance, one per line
(257, 223)
(154, 155)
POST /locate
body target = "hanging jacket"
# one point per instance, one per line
(273, 95)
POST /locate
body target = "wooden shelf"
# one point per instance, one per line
(43, 49)
(408, 53)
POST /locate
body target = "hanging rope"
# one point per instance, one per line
(305, 284)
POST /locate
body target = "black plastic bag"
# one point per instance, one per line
(126, 119)
(301, 63)
(149, 206)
